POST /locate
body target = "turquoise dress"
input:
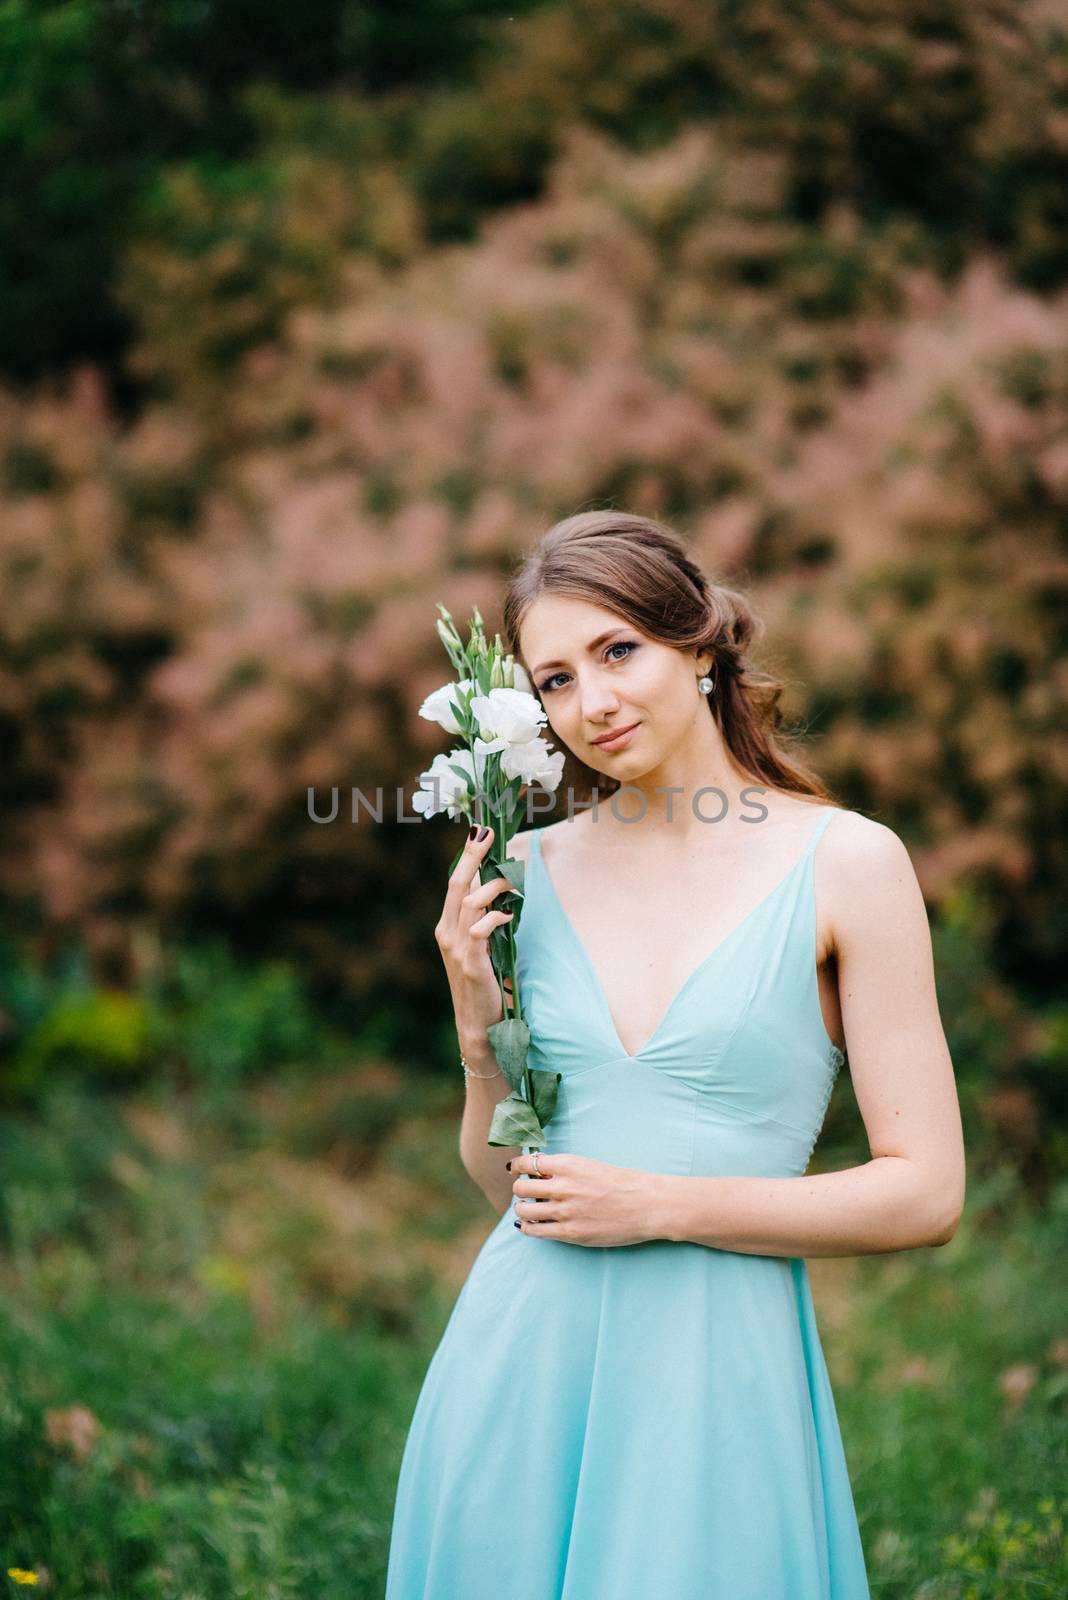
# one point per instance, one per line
(653, 1419)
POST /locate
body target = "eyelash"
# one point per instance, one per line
(617, 644)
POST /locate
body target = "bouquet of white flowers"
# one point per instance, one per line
(491, 707)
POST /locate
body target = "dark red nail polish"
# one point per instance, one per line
(515, 1224)
(482, 832)
(472, 830)
(508, 1164)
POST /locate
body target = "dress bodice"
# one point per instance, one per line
(737, 1075)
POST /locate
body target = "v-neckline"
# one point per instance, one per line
(705, 961)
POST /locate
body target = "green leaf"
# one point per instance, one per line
(546, 1085)
(461, 772)
(513, 899)
(514, 1122)
(499, 948)
(510, 1038)
(514, 871)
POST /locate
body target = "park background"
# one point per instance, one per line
(310, 319)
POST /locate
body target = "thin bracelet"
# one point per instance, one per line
(469, 1074)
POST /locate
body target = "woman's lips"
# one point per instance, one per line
(620, 739)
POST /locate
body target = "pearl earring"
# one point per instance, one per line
(706, 685)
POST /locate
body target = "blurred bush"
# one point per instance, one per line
(225, 1024)
(121, 124)
(198, 1017)
(199, 624)
(101, 96)
(791, 278)
(102, 1034)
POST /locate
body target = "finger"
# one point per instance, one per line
(536, 1211)
(528, 1186)
(525, 1163)
(478, 897)
(462, 876)
(542, 1227)
(485, 925)
(483, 894)
(492, 886)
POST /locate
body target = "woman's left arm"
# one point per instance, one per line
(911, 1192)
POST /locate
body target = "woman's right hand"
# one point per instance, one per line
(463, 932)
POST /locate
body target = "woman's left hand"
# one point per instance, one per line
(582, 1201)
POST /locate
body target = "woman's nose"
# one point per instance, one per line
(597, 701)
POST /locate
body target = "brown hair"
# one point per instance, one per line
(640, 569)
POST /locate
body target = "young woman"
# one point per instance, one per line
(630, 1397)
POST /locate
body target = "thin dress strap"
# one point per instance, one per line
(820, 828)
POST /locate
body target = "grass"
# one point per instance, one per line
(950, 1369)
(215, 1315)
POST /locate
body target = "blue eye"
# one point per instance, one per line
(622, 644)
(629, 645)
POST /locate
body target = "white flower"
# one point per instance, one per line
(532, 762)
(508, 717)
(442, 789)
(516, 675)
(439, 707)
(484, 747)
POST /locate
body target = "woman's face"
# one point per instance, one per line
(594, 673)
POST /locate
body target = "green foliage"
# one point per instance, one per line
(225, 1023)
(209, 1355)
(754, 328)
(224, 252)
(200, 1013)
(101, 97)
(945, 1364)
(471, 154)
(1047, 1071)
(25, 990)
(999, 1556)
(130, 129)
(28, 468)
(104, 1033)
(59, 1022)
(251, 1523)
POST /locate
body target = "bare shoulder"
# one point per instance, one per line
(519, 843)
(549, 832)
(519, 846)
(856, 844)
(866, 879)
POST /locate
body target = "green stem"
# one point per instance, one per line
(492, 775)
(517, 1009)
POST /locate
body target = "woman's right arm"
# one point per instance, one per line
(462, 933)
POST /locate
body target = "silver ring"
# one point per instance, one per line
(534, 1158)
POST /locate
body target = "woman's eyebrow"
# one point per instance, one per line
(600, 639)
